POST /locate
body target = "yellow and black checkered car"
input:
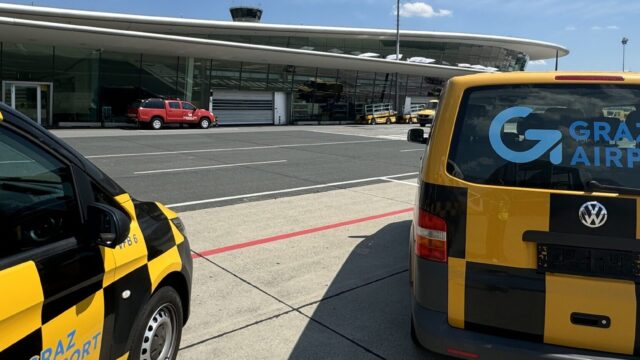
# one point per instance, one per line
(86, 272)
(526, 242)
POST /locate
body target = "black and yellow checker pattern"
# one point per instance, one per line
(494, 285)
(71, 306)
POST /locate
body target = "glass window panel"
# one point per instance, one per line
(254, 76)
(304, 107)
(225, 75)
(200, 84)
(119, 85)
(76, 85)
(280, 77)
(27, 62)
(160, 76)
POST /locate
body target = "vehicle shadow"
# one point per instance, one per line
(366, 308)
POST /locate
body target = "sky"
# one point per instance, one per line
(591, 29)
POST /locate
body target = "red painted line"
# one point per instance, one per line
(463, 353)
(290, 235)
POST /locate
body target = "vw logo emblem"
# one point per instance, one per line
(593, 214)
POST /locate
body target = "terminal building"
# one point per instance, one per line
(67, 67)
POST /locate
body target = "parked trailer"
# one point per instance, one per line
(382, 113)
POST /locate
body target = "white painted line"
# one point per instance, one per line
(16, 161)
(288, 190)
(341, 133)
(411, 150)
(230, 149)
(209, 167)
(396, 137)
(401, 137)
(400, 182)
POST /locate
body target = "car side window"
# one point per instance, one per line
(187, 106)
(38, 205)
(174, 105)
(153, 104)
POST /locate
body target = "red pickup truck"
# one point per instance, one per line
(155, 113)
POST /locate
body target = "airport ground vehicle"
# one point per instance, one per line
(412, 116)
(155, 113)
(86, 272)
(524, 243)
(382, 113)
(428, 113)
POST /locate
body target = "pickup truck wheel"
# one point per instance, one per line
(156, 334)
(156, 123)
(205, 123)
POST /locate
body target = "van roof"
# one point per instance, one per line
(521, 77)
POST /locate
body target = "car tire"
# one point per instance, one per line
(159, 328)
(204, 123)
(423, 125)
(373, 121)
(156, 123)
(388, 121)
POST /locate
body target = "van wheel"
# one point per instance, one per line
(205, 123)
(158, 331)
(156, 123)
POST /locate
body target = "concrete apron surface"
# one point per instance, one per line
(316, 276)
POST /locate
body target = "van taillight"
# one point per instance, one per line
(431, 237)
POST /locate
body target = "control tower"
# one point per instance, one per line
(246, 14)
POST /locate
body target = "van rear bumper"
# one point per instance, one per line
(434, 333)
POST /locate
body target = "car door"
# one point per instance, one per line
(52, 304)
(174, 111)
(188, 112)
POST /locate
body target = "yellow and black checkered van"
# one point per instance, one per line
(86, 272)
(525, 241)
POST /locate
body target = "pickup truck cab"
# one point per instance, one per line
(155, 113)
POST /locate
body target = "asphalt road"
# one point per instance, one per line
(194, 169)
(299, 234)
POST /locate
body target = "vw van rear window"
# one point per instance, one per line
(564, 137)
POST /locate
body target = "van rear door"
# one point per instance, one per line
(551, 251)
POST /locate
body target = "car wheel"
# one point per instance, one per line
(158, 331)
(205, 123)
(373, 121)
(423, 125)
(388, 121)
(156, 123)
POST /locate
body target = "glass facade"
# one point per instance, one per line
(442, 53)
(95, 87)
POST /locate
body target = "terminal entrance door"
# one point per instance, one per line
(30, 98)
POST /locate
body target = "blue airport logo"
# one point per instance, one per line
(597, 143)
(547, 139)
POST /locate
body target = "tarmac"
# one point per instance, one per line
(299, 234)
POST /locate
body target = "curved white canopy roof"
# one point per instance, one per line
(47, 33)
(168, 25)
